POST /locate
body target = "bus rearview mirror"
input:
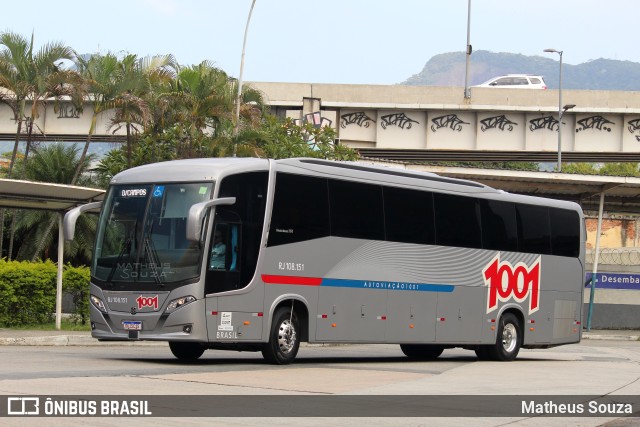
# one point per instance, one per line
(196, 214)
(70, 218)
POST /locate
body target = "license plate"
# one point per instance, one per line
(132, 325)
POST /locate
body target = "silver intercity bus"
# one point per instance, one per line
(260, 255)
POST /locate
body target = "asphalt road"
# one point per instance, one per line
(594, 368)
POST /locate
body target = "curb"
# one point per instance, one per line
(587, 336)
(72, 340)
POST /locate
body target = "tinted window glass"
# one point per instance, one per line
(565, 232)
(356, 210)
(300, 209)
(533, 229)
(241, 224)
(457, 221)
(408, 215)
(499, 227)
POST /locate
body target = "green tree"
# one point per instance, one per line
(34, 77)
(139, 77)
(37, 78)
(103, 88)
(283, 139)
(114, 162)
(193, 115)
(54, 163)
(149, 149)
(204, 98)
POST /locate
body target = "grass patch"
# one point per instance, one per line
(65, 325)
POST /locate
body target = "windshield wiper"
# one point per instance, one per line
(126, 247)
(152, 256)
(149, 249)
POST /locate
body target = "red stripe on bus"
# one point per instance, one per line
(291, 280)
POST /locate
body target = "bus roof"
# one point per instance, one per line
(189, 170)
(428, 176)
(212, 169)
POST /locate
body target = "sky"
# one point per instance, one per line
(330, 41)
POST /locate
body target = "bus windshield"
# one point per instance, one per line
(141, 236)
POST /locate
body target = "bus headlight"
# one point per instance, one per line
(179, 302)
(97, 303)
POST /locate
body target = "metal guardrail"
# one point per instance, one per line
(425, 155)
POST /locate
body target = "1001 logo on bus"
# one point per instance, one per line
(512, 282)
(147, 302)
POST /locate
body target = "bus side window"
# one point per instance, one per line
(565, 232)
(225, 261)
(534, 232)
(457, 221)
(225, 252)
(217, 261)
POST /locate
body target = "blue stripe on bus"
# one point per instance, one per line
(391, 286)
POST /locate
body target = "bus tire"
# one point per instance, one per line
(187, 351)
(508, 341)
(283, 343)
(421, 351)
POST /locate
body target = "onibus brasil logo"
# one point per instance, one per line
(507, 282)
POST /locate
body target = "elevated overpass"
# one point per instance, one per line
(418, 124)
(423, 123)
(426, 123)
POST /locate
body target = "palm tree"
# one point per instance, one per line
(139, 76)
(103, 88)
(123, 85)
(206, 96)
(253, 112)
(205, 101)
(54, 163)
(131, 109)
(35, 77)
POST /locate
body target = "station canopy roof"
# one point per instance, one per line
(42, 195)
(622, 194)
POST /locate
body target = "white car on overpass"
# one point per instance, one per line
(516, 81)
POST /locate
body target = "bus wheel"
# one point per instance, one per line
(283, 340)
(421, 351)
(508, 341)
(186, 350)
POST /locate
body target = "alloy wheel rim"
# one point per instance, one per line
(286, 337)
(509, 337)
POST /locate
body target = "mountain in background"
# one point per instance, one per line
(448, 69)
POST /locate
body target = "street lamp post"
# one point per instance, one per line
(236, 125)
(561, 109)
(467, 91)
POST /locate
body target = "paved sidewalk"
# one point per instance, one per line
(83, 338)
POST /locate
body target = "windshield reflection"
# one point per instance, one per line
(142, 234)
